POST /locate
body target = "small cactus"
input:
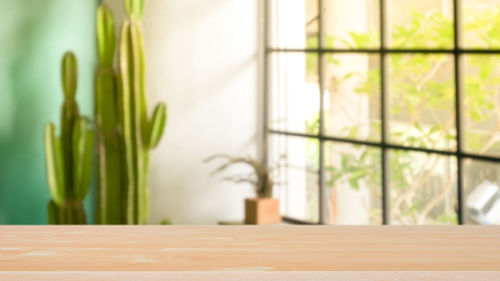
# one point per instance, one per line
(126, 134)
(69, 156)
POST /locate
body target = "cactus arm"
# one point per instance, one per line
(69, 75)
(83, 144)
(157, 125)
(141, 80)
(106, 39)
(55, 164)
(135, 8)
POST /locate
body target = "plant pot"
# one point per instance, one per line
(262, 211)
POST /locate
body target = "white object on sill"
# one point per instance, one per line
(483, 204)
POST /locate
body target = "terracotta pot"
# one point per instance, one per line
(262, 211)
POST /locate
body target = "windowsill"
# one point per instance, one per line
(296, 252)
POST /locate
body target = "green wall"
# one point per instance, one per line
(34, 34)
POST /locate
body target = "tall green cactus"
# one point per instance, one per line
(110, 198)
(126, 134)
(69, 156)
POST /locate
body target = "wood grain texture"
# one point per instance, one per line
(249, 248)
(253, 276)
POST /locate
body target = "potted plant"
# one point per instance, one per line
(262, 209)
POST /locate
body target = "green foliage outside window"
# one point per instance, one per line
(421, 112)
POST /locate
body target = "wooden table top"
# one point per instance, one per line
(261, 248)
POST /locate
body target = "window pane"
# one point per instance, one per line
(422, 101)
(294, 92)
(422, 188)
(420, 24)
(358, 30)
(481, 104)
(352, 96)
(480, 23)
(294, 24)
(353, 192)
(295, 161)
(482, 193)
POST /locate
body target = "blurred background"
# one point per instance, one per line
(34, 36)
(210, 87)
(367, 111)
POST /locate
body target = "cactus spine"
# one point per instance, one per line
(126, 134)
(69, 156)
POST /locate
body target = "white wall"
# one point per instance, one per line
(202, 59)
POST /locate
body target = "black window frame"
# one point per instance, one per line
(384, 145)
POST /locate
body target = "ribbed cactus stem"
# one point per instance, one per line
(69, 156)
(130, 68)
(121, 113)
(140, 134)
(69, 114)
(110, 191)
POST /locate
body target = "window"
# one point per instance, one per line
(384, 111)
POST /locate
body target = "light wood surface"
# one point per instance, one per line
(253, 276)
(251, 249)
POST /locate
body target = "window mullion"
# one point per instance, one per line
(321, 170)
(458, 102)
(383, 114)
